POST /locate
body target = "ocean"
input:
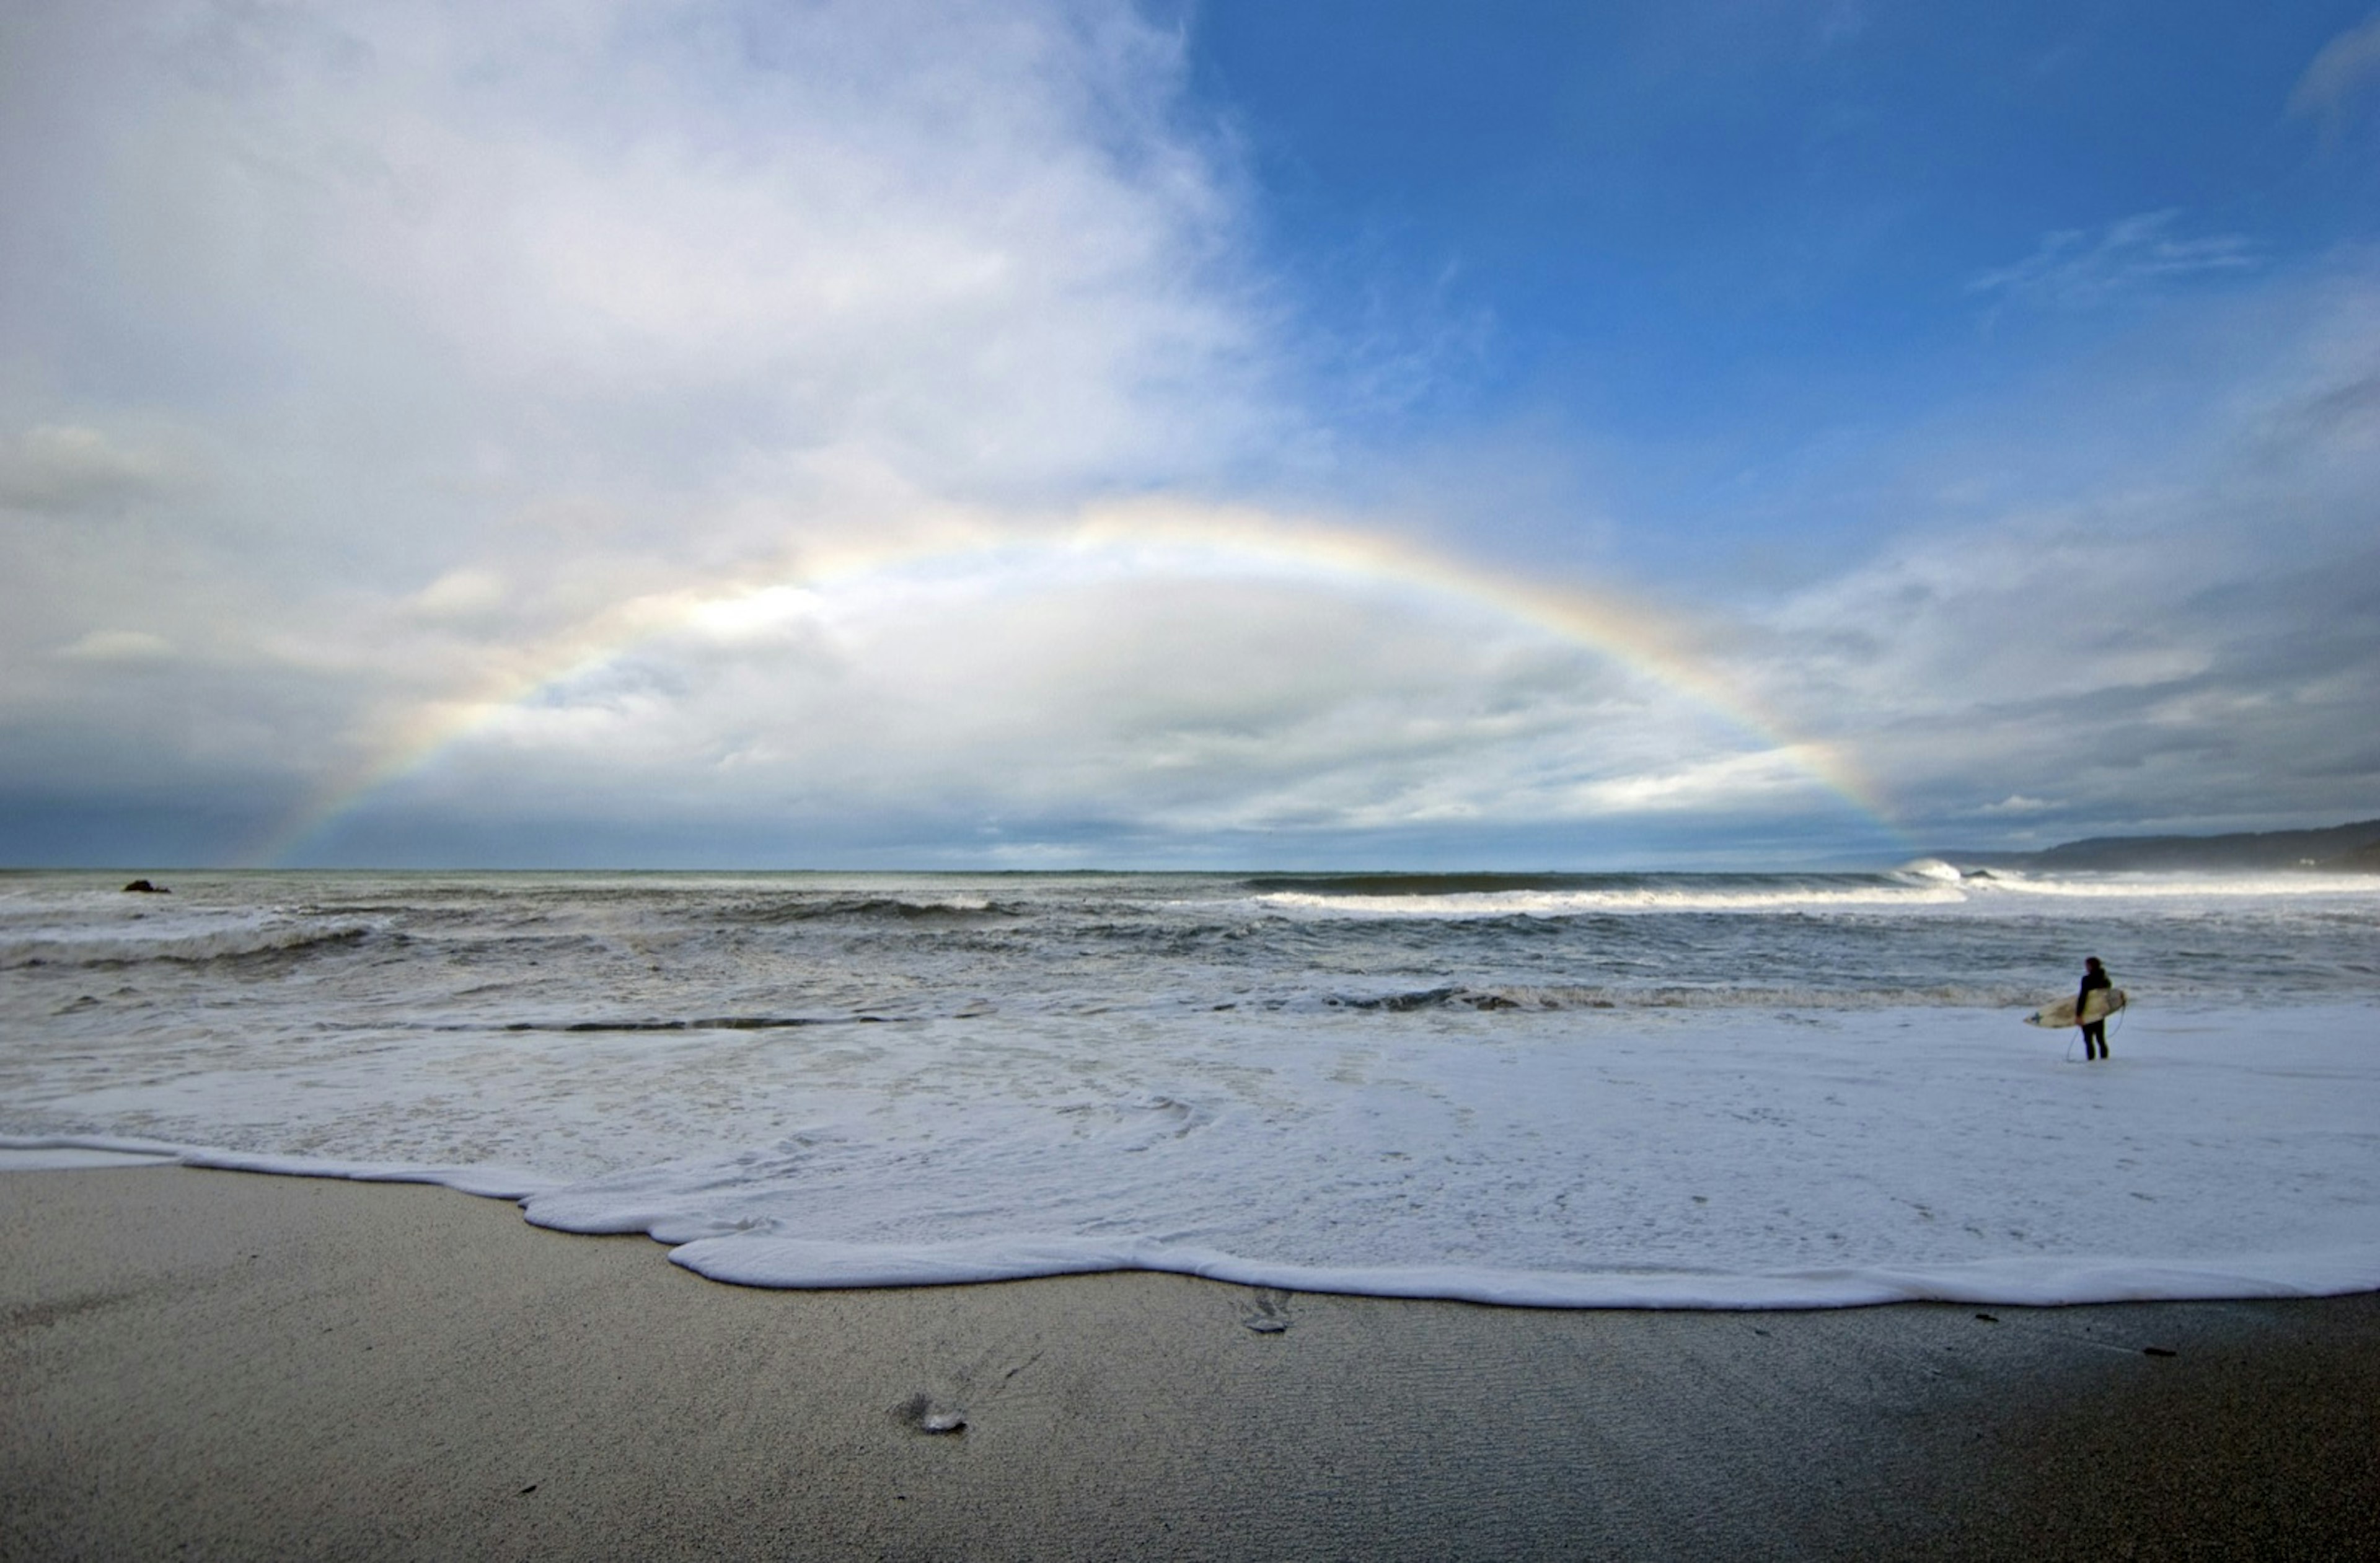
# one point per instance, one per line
(1767, 1090)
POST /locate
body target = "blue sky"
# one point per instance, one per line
(1057, 433)
(1765, 232)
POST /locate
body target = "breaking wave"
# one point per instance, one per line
(866, 908)
(704, 1022)
(1612, 898)
(186, 945)
(1589, 997)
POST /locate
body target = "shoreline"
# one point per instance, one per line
(252, 1366)
(737, 1260)
(1915, 1139)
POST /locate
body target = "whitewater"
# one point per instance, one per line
(1558, 1090)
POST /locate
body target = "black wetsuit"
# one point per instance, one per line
(2094, 1033)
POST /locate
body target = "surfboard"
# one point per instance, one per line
(2105, 1001)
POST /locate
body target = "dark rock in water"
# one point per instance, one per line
(142, 886)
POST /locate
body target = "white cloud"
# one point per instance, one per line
(2347, 65)
(2189, 636)
(1112, 686)
(969, 239)
(1728, 785)
(558, 306)
(66, 467)
(460, 593)
(647, 389)
(2075, 269)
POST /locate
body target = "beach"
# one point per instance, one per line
(1639, 1090)
(222, 1364)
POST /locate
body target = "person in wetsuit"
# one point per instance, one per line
(2094, 1033)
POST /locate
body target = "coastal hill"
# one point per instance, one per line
(2339, 849)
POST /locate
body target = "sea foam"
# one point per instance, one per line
(1753, 1162)
(1800, 1091)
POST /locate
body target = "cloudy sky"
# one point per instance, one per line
(1243, 432)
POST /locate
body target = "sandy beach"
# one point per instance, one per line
(219, 1364)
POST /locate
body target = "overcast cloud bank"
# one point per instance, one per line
(681, 432)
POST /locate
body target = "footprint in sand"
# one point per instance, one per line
(925, 1414)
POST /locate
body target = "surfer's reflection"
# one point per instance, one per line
(2095, 1032)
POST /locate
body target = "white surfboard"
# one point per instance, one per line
(2105, 1001)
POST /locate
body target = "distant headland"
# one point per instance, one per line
(2340, 849)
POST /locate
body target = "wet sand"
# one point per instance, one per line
(227, 1365)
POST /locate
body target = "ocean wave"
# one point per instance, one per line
(1563, 997)
(1635, 898)
(122, 945)
(704, 1023)
(2291, 886)
(1340, 885)
(863, 908)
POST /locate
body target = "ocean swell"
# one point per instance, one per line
(1560, 996)
(126, 945)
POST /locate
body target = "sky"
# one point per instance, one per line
(1196, 433)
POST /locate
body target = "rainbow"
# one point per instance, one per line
(1139, 539)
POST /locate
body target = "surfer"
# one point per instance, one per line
(2095, 1032)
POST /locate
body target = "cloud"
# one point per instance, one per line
(2189, 636)
(1100, 688)
(2346, 67)
(2072, 268)
(463, 593)
(480, 323)
(61, 468)
(672, 421)
(698, 274)
(551, 364)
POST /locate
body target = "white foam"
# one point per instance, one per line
(791, 1264)
(46, 1152)
(2213, 887)
(1926, 883)
(1612, 899)
(1833, 1105)
(20, 1152)
(74, 1159)
(1559, 1160)
(204, 934)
